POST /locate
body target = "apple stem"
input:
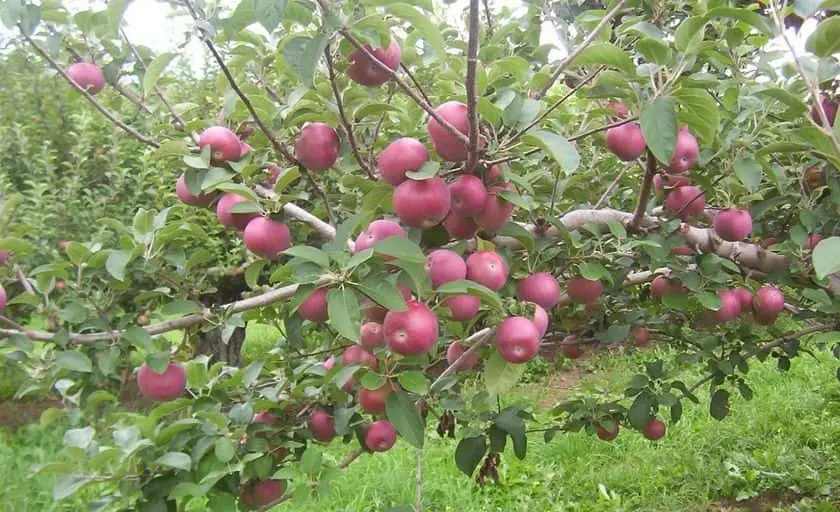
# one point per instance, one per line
(101, 108)
(644, 194)
(571, 57)
(348, 128)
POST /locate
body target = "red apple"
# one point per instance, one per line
(5, 256)
(584, 291)
(733, 224)
(356, 354)
(462, 307)
(682, 250)
(571, 348)
(446, 144)
(412, 332)
(686, 152)
(244, 149)
(365, 71)
(380, 436)
(186, 197)
(662, 285)
(459, 227)
(371, 335)
(3, 298)
(540, 320)
(267, 238)
(730, 306)
(497, 210)
(687, 199)
(812, 241)
(745, 297)
(829, 106)
(768, 301)
(487, 268)
(422, 204)
(641, 335)
(224, 144)
(322, 425)
(813, 178)
(517, 339)
(265, 418)
(317, 146)
(444, 266)
(88, 76)
(621, 112)
(256, 495)
(141, 319)
(401, 156)
(372, 401)
(469, 195)
(237, 221)
(663, 183)
(456, 350)
(314, 308)
(541, 288)
(626, 141)
(378, 230)
(607, 434)
(654, 429)
(165, 386)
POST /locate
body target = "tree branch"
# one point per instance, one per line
(414, 81)
(93, 101)
(607, 193)
(296, 212)
(348, 128)
(472, 99)
(489, 17)
(586, 42)
(644, 194)
(23, 280)
(267, 131)
(477, 340)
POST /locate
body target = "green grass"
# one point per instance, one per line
(787, 439)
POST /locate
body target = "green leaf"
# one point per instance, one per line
(689, 30)
(614, 333)
(425, 172)
(826, 39)
(400, 247)
(384, 293)
(68, 485)
(515, 427)
(74, 360)
(246, 207)
(640, 411)
(302, 54)
(469, 453)
(719, 406)
(155, 69)
(826, 257)
(806, 8)
(414, 382)
(116, 263)
(699, 111)
(310, 461)
(344, 312)
(607, 55)
(659, 126)
(654, 50)
(224, 449)
(749, 172)
(177, 460)
(180, 308)
(402, 412)
(465, 286)
(709, 300)
(562, 151)
(500, 375)
(139, 337)
(421, 23)
(270, 13)
(79, 437)
(372, 380)
(309, 253)
(745, 15)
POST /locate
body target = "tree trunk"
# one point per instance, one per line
(211, 343)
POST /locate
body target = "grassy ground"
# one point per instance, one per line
(783, 446)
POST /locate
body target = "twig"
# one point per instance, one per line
(478, 340)
(11, 323)
(348, 128)
(418, 482)
(378, 127)
(352, 456)
(414, 81)
(700, 194)
(24, 281)
(487, 15)
(586, 42)
(607, 193)
(104, 111)
(175, 117)
(472, 100)
(644, 194)
(269, 133)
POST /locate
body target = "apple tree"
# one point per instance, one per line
(425, 202)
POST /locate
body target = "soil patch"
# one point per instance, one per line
(15, 414)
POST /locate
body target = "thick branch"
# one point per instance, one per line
(644, 194)
(586, 42)
(296, 212)
(348, 128)
(472, 96)
(104, 111)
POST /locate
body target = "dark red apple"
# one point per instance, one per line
(265, 418)
(730, 306)
(422, 204)
(607, 434)
(322, 425)
(687, 199)
(487, 268)
(5, 256)
(365, 71)
(371, 335)
(401, 156)
(626, 141)
(540, 320)
(584, 291)
(88, 76)
(541, 288)
(682, 250)
(314, 308)
(768, 300)
(165, 386)
(459, 227)
(317, 146)
(469, 195)
(412, 332)
(497, 210)
(662, 285)
(745, 297)
(812, 241)
(236, 221)
(380, 436)
(733, 224)
(462, 307)
(446, 144)
(267, 238)
(372, 401)
(224, 144)
(256, 495)
(641, 335)
(444, 266)
(686, 152)
(654, 429)
(829, 106)
(456, 350)
(517, 339)
(378, 230)
(186, 197)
